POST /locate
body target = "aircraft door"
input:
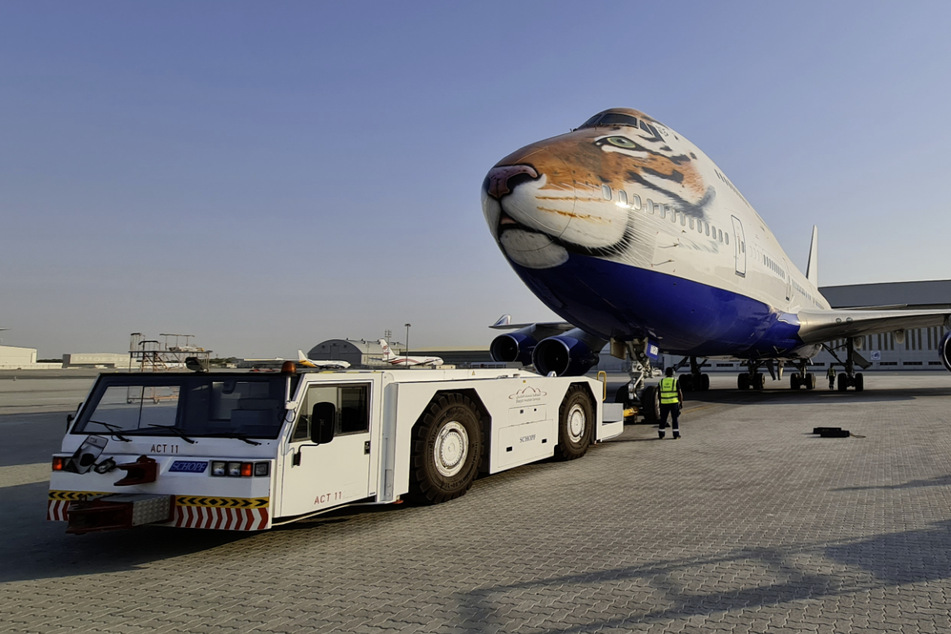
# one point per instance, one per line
(336, 470)
(788, 281)
(739, 246)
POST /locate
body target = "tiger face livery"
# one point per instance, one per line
(578, 192)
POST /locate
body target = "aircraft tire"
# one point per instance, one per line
(743, 381)
(842, 381)
(686, 382)
(650, 403)
(759, 381)
(704, 382)
(859, 382)
(621, 396)
(447, 450)
(794, 381)
(575, 424)
(810, 381)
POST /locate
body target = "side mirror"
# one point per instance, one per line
(71, 417)
(323, 419)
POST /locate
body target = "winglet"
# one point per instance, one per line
(301, 356)
(812, 268)
(502, 321)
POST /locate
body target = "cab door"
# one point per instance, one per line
(335, 471)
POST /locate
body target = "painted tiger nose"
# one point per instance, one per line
(501, 180)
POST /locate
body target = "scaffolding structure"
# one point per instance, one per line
(152, 355)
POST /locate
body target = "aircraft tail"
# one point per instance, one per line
(387, 353)
(812, 268)
(301, 356)
(502, 322)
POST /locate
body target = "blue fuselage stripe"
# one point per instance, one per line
(685, 317)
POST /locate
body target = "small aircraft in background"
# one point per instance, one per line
(394, 359)
(329, 364)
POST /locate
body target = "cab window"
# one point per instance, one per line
(351, 404)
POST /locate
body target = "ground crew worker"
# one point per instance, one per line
(671, 399)
(831, 376)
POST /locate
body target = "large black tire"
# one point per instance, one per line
(623, 395)
(686, 383)
(743, 381)
(650, 404)
(446, 450)
(575, 424)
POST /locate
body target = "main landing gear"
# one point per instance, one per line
(756, 380)
(850, 378)
(801, 378)
(753, 378)
(695, 381)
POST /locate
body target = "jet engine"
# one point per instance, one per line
(944, 350)
(514, 346)
(570, 354)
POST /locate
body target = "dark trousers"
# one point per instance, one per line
(674, 410)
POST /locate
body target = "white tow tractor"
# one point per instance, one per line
(248, 451)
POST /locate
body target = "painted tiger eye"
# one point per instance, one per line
(621, 141)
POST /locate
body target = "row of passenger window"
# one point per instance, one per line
(665, 211)
(774, 266)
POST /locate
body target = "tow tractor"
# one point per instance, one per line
(250, 451)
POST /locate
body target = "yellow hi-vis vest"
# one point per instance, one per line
(668, 391)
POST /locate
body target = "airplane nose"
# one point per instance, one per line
(501, 180)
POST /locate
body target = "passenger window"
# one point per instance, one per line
(650, 206)
(663, 211)
(622, 197)
(727, 238)
(706, 227)
(636, 202)
(691, 222)
(683, 219)
(606, 192)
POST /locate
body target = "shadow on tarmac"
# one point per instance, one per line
(856, 567)
(35, 548)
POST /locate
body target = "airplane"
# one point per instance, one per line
(393, 359)
(636, 238)
(329, 364)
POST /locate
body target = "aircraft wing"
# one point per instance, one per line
(818, 326)
(540, 330)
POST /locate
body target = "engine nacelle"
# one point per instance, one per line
(570, 354)
(944, 350)
(514, 346)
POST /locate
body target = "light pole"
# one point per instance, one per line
(406, 354)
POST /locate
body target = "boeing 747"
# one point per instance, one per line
(630, 233)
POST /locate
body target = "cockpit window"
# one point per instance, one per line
(609, 118)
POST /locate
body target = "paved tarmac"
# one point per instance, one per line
(747, 524)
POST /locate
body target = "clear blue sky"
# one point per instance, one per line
(267, 175)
